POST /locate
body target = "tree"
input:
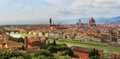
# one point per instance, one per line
(21, 39)
(52, 49)
(95, 57)
(43, 52)
(16, 39)
(54, 42)
(94, 54)
(104, 57)
(21, 48)
(71, 54)
(17, 57)
(43, 33)
(48, 42)
(63, 57)
(6, 54)
(44, 57)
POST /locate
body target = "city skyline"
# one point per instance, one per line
(59, 29)
(21, 11)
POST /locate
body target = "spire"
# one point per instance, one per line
(79, 21)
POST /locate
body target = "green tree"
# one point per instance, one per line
(16, 39)
(52, 49)
(6, 54)
(94, 54)
(43, 52)
(63, 57)
(44, 57)
(17, 57)
(95, 57)
(71, 54)
(54, 42)
(104, 57)
(21, 39)
(48, 42)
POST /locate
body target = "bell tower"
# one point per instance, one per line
(50, 21)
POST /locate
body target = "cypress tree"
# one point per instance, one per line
(54, 42)
(94, 52)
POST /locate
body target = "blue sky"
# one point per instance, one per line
(39, 11)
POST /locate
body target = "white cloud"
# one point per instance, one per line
(28, 8)
(76, 8)
(92, 8)
(19, 4)
(24, 7)
(55, 1)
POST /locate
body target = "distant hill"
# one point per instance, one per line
(97, 19)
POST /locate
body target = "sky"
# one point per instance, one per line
(39, 11)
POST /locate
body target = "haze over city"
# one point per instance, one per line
(39, 11)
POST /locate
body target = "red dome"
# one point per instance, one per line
(92, 20)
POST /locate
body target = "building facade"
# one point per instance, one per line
(83, 52)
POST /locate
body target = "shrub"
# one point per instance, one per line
(43, 52)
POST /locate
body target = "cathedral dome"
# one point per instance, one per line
(91, 20)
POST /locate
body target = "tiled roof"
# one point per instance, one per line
(82, 49)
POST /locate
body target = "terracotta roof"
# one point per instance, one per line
(82, 49)
(13, 44)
